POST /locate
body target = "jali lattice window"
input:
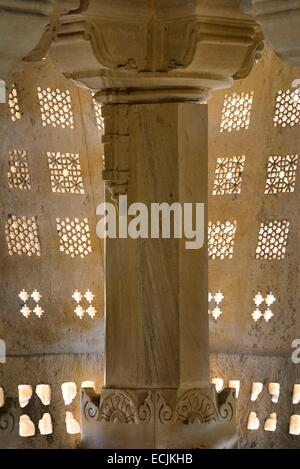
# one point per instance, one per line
(22, 236)
(65, 172)
(18, 174)
(272, 239)
(13, 103)
(56, 108)
(99, 118)
(287, 109)
(74, 236)
(221, 239)
(281, 174)
(236, 112)
(228, 175)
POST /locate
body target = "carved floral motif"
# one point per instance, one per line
(118, 407)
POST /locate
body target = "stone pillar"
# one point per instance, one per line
(151, 63)
(155, 143)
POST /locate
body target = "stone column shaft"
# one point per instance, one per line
(156, 301)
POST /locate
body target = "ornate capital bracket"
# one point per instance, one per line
(280, 23)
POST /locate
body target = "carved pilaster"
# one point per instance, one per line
(116, 148)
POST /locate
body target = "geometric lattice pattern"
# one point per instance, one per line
(236, 112)
(263, 306)
(13, 103)
(36, 298)
(221, 239)
(213, 304)
(99, 118)
(287, 109)
(22, 236)
(65, 173)
(84, 304)
(56, 108)
(228, 175)
(74, 236)
(18, 176)
(281, 174)
(272, 239)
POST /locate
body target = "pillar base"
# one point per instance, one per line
(158, 418)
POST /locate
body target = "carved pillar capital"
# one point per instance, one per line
(280, 23)
(162, 51)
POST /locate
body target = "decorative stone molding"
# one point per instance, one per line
(22, 24)
(155, 408)
(155, 51)
(90, 404)
(276, 18)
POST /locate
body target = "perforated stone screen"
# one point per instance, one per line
(99, 118)
(19, 173)
(56, 108)
(65, 172)
(22, 236)
(281, 174)
(236, 112)
(221, 239)
(74, 236)
(50, 168)
(272, 239)
(228, 175)
(250, 341)
(14, 105)
(287, 109)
